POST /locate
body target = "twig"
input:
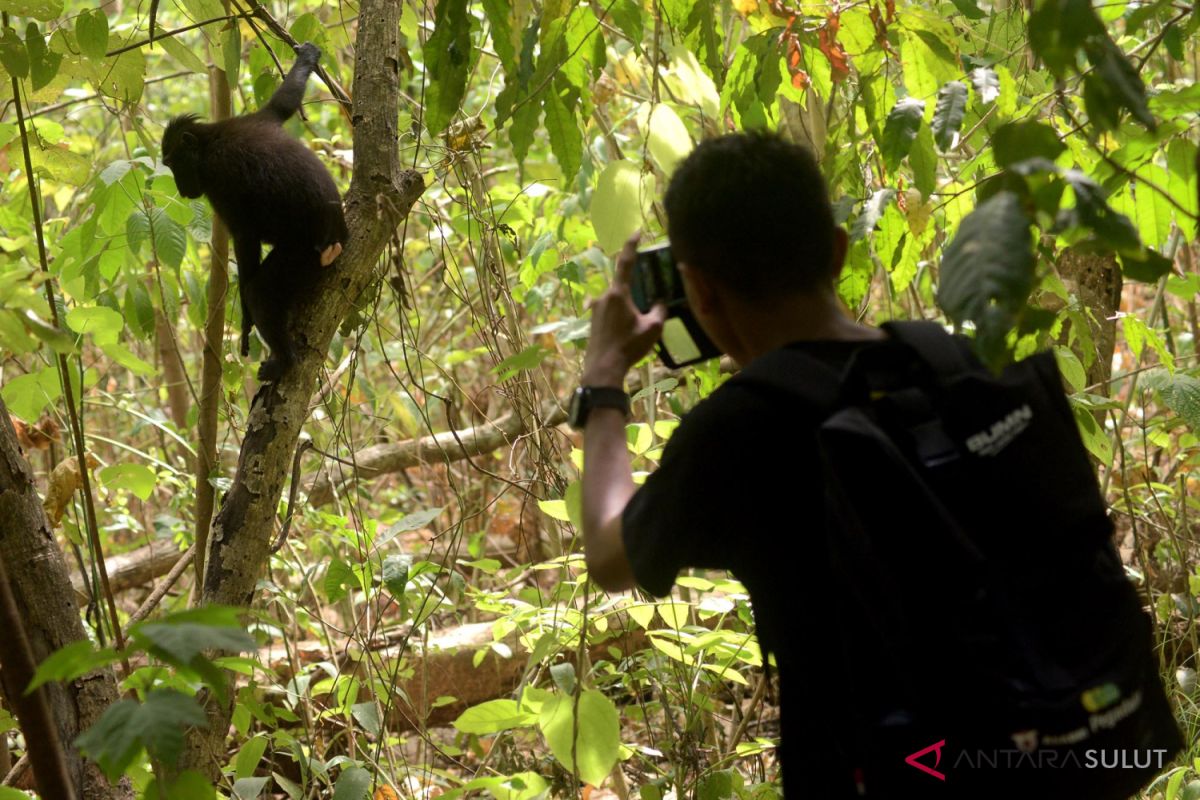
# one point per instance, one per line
(161, 590)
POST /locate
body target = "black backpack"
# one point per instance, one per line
(991, 645)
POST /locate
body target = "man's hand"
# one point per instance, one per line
(621, 335)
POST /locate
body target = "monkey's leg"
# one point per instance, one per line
(287, 98)
(248, 252)
(280, 283)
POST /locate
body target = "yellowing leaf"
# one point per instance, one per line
(667, 137)
(617, 204)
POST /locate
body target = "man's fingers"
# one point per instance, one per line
(657, 315)
(627, 258)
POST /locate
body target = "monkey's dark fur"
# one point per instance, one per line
(269, 189)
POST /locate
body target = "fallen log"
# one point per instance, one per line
(135, 568)
(443, 448)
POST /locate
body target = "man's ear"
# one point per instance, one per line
(702, 290)
(841, 244)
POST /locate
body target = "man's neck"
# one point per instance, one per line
(760, 328)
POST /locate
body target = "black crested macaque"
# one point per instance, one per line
(269, 188)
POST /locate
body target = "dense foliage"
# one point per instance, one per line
(978, 153)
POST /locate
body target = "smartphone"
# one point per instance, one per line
(656, 279)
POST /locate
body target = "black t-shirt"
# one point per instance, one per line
(738, 488)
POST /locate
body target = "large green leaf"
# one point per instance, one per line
(987, 271)
(128, 726)
(1180, 392)
(1058, 28)
(900, 130)
(617, 204)
(494, 716)
(589, 744)
(91, 31)
(1114, 84)
(1019, 141)
(447, 63)
(43, 62)
(948, 114)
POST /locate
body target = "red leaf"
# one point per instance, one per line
(833, 50)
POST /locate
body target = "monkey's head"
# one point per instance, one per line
(181, 154)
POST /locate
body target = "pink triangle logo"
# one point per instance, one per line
(936, 749)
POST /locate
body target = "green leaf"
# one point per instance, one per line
(1019, 141)
(58, 163)
(987, 271)
(1147, 266)
(13, 55)
(969, 9)
(1058, 28)
(869, 216)
(1093, 211)
(1114, 83)
(667, 138)
(100, 322)
(499, 14)
(45, 10)
(617, 204)
(157, 725)
(352, 784)
(367, 716)
(566, 141)
(125, 78)
(184, 55)
(91, 31)
(26, 395)
(337, 575)
(43, 63)
(494, 716)
(248, 757)
(986, 83)
(589, 747)
(447, 63)
(180, 642)
(923, 160)
(529, 358)
(900, 130)
(411, 522)
(1095, 438)
(395, 573)
(170, 239)
(72, 661)
(948, 114)
(249, 788)
(137, 478)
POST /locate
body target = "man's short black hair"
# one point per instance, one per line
(752, 210)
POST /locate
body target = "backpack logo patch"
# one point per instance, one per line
(991, 441)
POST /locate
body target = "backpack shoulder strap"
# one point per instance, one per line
(936, 348)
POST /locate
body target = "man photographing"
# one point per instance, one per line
(750, 223)
(927, 551)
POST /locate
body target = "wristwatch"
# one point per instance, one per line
(588, 397)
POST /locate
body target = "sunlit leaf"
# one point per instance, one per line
(447, 62)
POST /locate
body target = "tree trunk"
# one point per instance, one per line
(46, 602)
(380, 197)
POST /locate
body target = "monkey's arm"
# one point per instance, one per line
(287, 98)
